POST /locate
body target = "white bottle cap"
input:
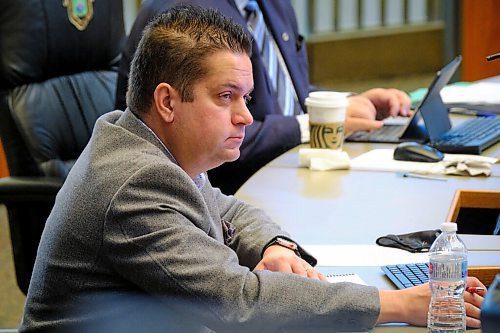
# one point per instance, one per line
(449, 226)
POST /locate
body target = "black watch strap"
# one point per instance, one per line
(290, 244)
(285, 243)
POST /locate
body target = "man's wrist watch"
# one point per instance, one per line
(285, 243)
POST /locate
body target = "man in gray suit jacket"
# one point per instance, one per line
(138, 216)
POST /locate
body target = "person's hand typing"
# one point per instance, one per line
(389, 102)
(367, 110)
(360, 115)
(277, 258)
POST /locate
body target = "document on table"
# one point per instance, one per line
(475, 93)
(348, 277)
(383, 160)
(363, 255)
(480, 96)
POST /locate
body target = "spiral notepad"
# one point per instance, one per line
(348, 277)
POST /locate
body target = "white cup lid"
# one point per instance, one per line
(327, 99)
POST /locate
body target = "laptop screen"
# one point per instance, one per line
(433, 110)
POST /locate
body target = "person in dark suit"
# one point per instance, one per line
(271, 133)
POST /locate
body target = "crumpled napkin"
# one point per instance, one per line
(467, 165)
(467, 168)
(323, 159)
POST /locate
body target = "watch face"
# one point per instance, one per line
(286, 243)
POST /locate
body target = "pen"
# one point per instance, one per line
(416, 175)
(475, 290)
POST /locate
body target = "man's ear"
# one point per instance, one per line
(164, 100)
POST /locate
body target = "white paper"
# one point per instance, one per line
(363, 255)
(382, 160)
(348, 277)
(476, 93)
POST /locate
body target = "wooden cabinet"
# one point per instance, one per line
(4, 171)
(480, 38)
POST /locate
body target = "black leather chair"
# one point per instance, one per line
(58, 69)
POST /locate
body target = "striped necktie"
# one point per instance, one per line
(275, 65)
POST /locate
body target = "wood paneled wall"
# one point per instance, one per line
(480, 38)
(4, 171)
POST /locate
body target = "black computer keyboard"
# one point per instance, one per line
(472, 137)
(386, 133)
(407, 275)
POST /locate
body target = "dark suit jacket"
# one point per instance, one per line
(271, 133)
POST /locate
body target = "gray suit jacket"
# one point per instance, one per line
(129, 220)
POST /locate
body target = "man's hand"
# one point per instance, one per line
(412, 304)
(473, 302)
(367, 110)
(389, 102)
(277, 258)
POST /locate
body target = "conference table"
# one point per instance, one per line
(340, 211)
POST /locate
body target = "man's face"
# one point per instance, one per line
(211, 128)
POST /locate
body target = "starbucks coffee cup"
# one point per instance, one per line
(326, 111)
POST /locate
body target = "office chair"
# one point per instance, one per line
(58, 70)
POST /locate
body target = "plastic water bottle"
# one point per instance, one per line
(447, 279)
